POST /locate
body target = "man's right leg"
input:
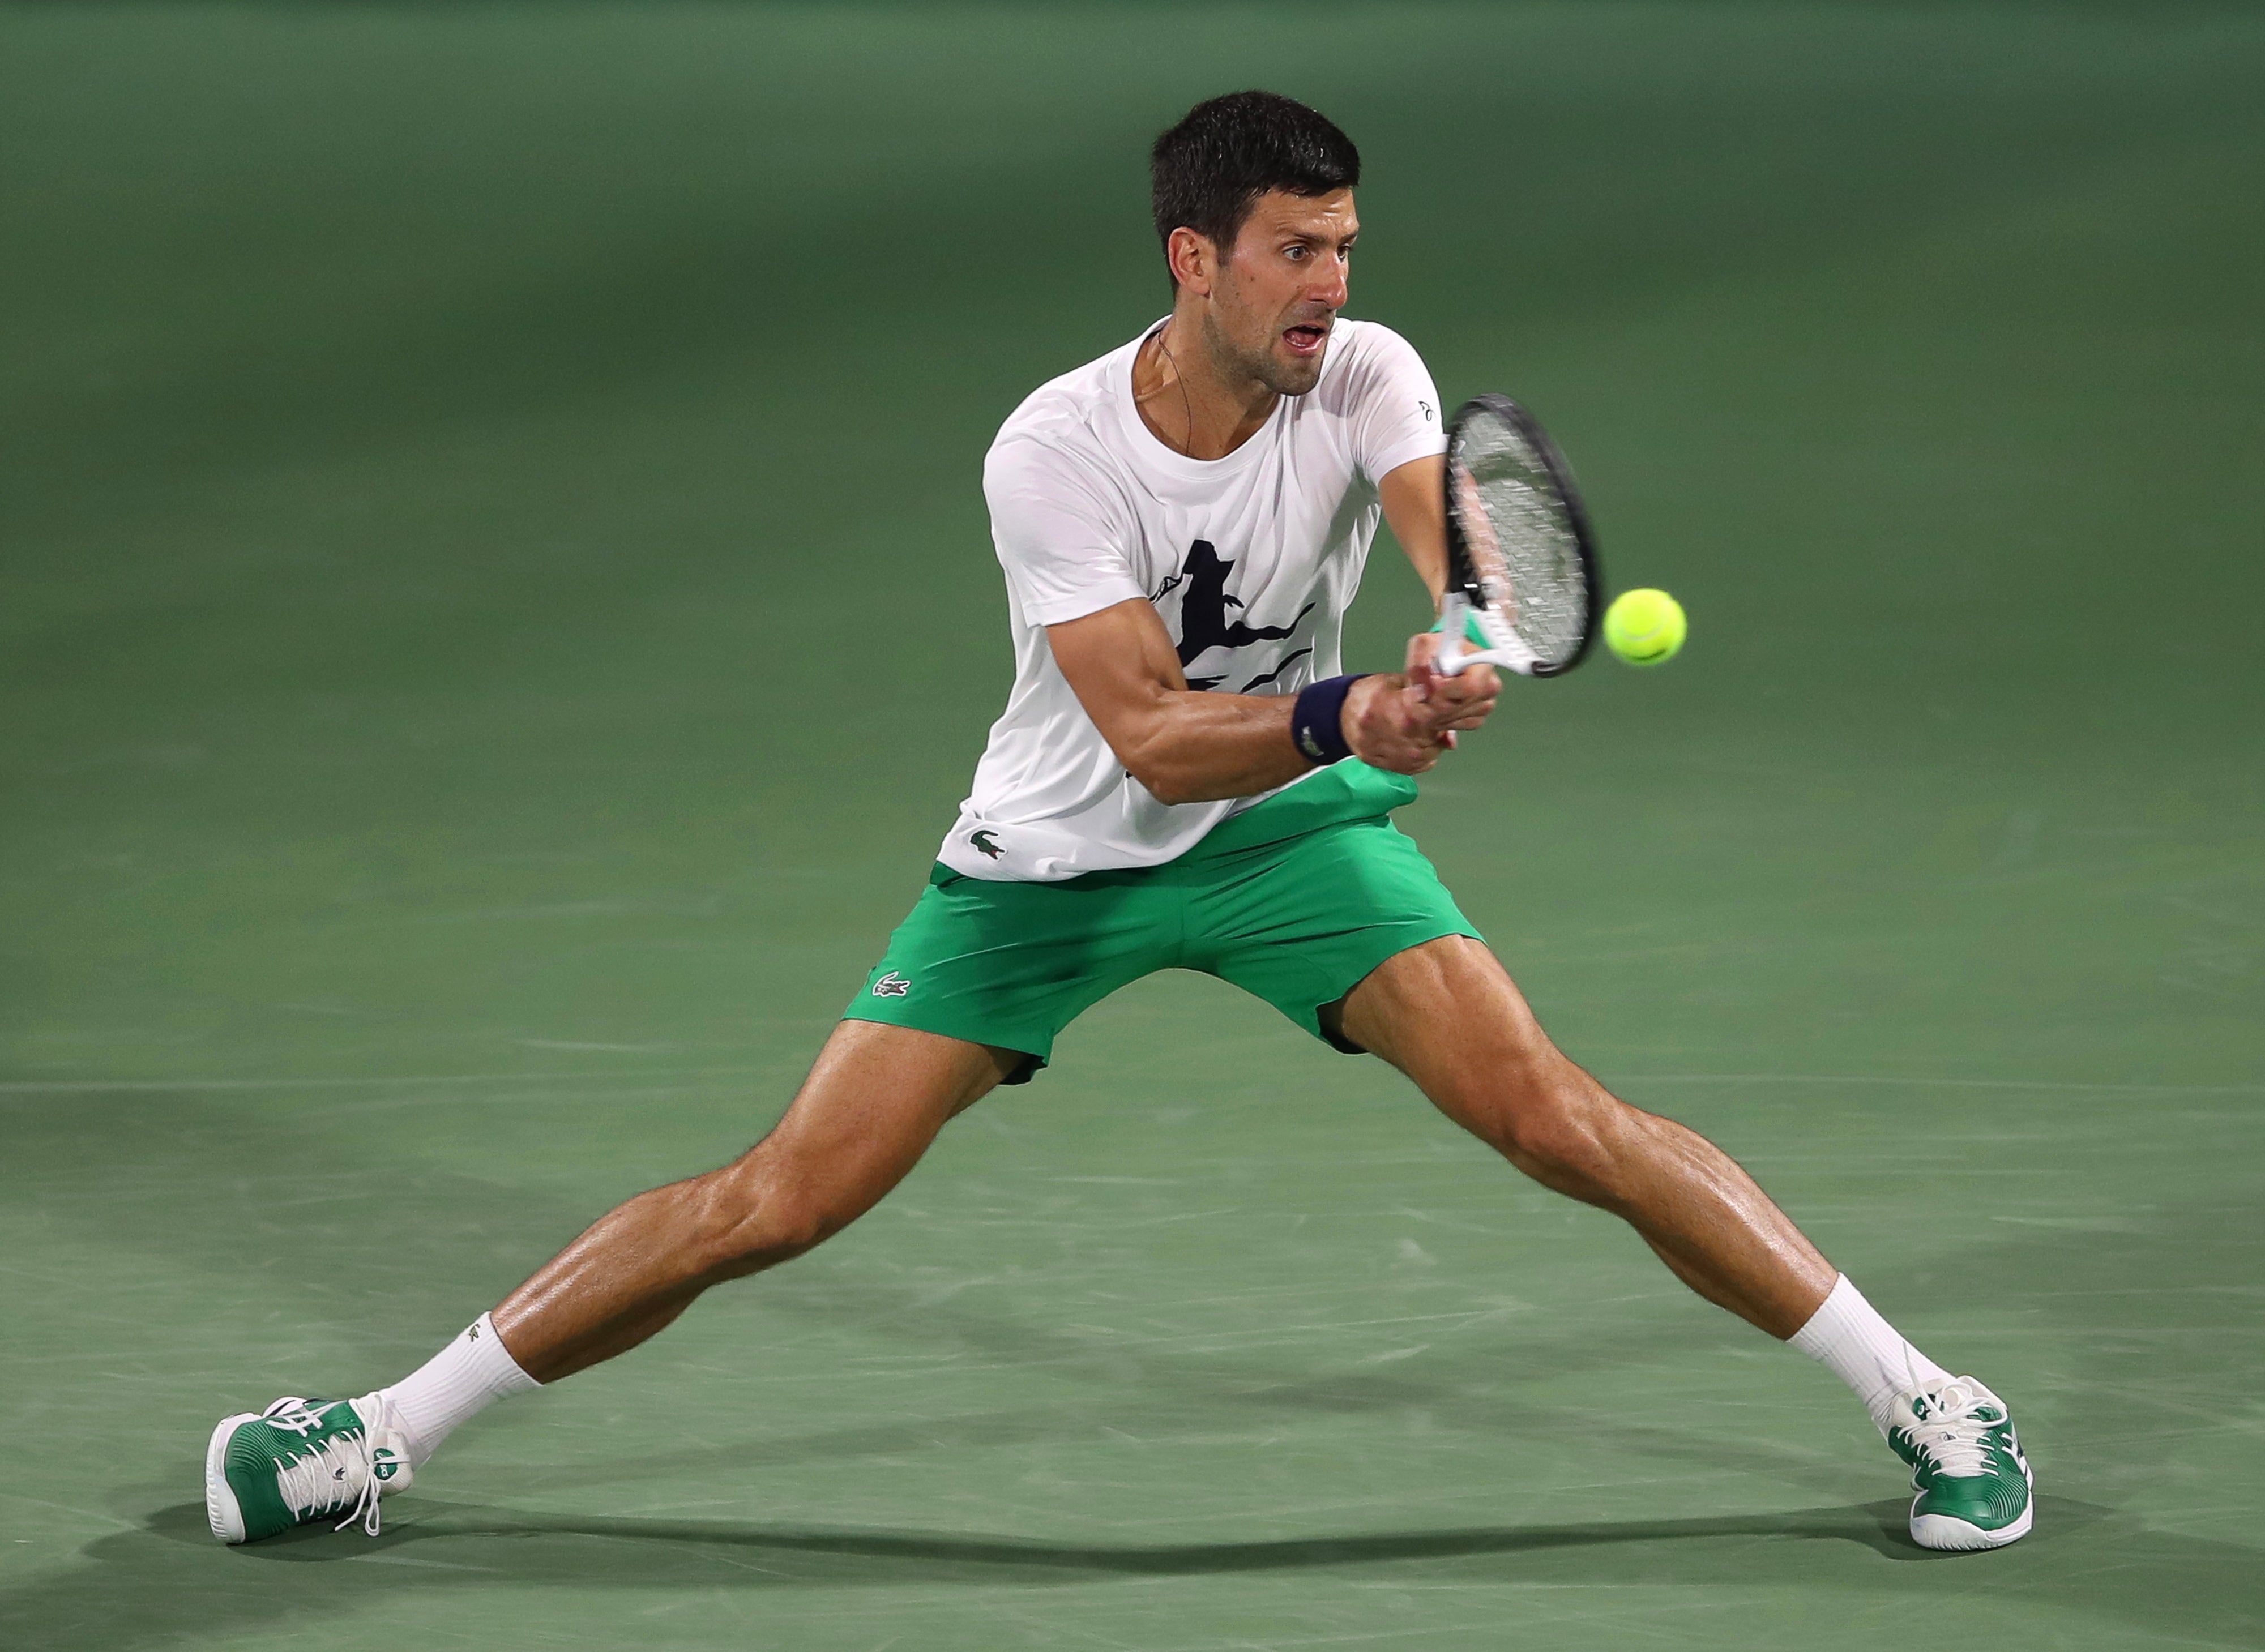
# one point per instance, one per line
(872, 1104)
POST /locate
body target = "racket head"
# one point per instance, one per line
(1519, 546)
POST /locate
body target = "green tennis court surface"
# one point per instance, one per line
(496, 613)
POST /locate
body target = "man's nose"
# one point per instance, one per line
(1329, 288)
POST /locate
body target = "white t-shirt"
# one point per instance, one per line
(1250, 559)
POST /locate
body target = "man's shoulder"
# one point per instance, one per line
(1362, 354)
(1071, 409)
(1367, 338)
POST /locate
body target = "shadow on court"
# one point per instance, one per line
(163, 1582)
(166, 1582)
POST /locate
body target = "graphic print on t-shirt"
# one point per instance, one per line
(1204, 625)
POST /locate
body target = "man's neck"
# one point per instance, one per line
(1186, 401)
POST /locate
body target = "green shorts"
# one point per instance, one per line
(1295, 900)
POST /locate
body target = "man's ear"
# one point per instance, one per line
(1193, 259)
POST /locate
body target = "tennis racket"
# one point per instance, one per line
(1521, 561)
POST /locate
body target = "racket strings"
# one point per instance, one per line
(1518, 531)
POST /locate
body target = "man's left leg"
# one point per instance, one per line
(1447, 1014)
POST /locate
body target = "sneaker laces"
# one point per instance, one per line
(334, 1474)
(1952, 1432)
(294, 1415)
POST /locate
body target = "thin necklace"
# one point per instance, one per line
(1187, 408)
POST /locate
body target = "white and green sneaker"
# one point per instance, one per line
(302, 1460)
(1973, 1484)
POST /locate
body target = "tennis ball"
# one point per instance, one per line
(1645, 628)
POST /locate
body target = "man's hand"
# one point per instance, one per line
(1403, 722)
(1472, 691)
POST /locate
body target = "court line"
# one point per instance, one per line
(74, 1087)
(1971, 1084)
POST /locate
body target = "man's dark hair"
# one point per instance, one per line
(1208, 172)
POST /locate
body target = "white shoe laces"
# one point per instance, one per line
(338, 1473)
(292, 1415)
(1951, 1435)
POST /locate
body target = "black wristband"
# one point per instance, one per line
(1317, 721)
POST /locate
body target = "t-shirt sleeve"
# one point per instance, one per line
(1395, 407)
(1061, 539)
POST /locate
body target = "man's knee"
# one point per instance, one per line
(1550, 1120)
(750, 1217)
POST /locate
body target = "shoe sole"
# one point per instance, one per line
(1948, 1531)
(221, 1511)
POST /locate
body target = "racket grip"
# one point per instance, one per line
(1460, 622)
(1449, 659)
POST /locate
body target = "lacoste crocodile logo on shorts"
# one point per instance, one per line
(892, 985)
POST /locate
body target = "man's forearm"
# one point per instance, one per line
(1187, 746)
(1195, 747)
(1198, 746)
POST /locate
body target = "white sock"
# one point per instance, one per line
(1847, 1335)
(463, 1379)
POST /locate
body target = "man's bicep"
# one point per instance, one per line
(1398, 415)
(1120, 663)
(1059, 536)
(1415, 497)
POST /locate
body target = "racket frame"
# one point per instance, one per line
(1465, 604)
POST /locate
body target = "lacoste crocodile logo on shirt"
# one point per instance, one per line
(987, 843)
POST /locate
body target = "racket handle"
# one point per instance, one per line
(1457, 619)
(1449, 659)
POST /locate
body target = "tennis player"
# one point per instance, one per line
(1183, 777)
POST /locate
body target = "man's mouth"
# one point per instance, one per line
(1307, 337)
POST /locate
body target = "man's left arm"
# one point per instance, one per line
(1416, 504)
(1415, 497)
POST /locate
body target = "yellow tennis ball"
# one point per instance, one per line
(1645, 628)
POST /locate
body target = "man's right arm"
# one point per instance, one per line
(1188, 745)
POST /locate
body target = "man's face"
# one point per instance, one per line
(1279, 288)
